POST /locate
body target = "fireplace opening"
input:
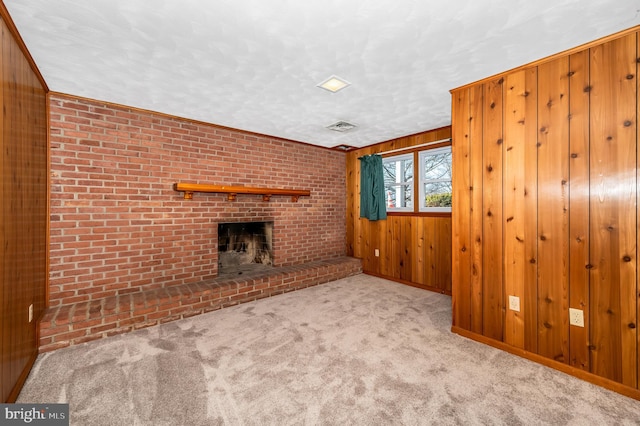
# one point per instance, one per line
(244, 247)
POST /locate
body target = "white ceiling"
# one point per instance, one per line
(254, 64)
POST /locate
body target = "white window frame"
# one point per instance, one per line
(409, 184)
(422, 180)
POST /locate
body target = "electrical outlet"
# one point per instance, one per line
(376, 252)
(576, 317)
(514, 303)
(31, 312)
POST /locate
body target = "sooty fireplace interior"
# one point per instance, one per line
(244, 247)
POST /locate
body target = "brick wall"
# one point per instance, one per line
(118, 227)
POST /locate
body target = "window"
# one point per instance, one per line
(398, 182)
(435, 180)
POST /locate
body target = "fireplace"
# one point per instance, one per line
(244, 247)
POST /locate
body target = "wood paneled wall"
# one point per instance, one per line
(545, 208)
(23, 231)
(414, 248)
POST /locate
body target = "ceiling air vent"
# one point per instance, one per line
(344, 148)
(341, 126)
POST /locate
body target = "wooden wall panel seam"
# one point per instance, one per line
(579, 193)
(492, 210)
(612, 136)
(461, 211)
(477, 236)
(553, 147)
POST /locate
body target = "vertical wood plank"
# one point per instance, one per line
(514, 203)
(20, 204)
(395, 224)
(10, 278)
(406, 247)
(553, 208)
(431, 265)
(365, 244)
(386, 249)
(476, 162)
(579, 206)
(39, 163)
(418, 266)
(443, 253)
(613, 210)
(358, 223)
(530, 301)
(353, 205)
(24, 201)
(376, 236)
(461, 259)
(492, 244)
(4, 218)
(637, 204)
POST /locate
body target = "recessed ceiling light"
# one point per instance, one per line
(334, 84)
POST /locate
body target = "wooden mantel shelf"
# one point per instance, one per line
(233, 191)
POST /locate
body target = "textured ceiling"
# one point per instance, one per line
(254, 64)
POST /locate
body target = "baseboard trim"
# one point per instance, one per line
(13, 395)
(409, 283)
(556, 365)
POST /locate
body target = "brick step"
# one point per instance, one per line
(68, 325)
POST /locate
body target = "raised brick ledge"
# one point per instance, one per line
(68, 325)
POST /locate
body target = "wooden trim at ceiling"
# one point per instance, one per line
(411, 135)
(412, 149)
(185, 119)
(552, 57)
(4, 14)
(377, 145)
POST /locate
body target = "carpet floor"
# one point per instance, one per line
(357, 351)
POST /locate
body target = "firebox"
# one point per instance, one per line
(244, 247)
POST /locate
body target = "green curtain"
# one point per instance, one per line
(372, 200)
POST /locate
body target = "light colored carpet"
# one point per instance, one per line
(358, 351)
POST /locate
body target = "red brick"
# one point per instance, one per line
(71, 335)
(119, 330)
(86, 324)
(85, 339)
(62, 315)
(191, 313)
(102, 328)
(109, 319)
(145, 325)
(169, 318)
(46, 332)
(144, 311)
(130, 321)
(53, 346)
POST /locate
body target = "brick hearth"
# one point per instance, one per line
(72, 324)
